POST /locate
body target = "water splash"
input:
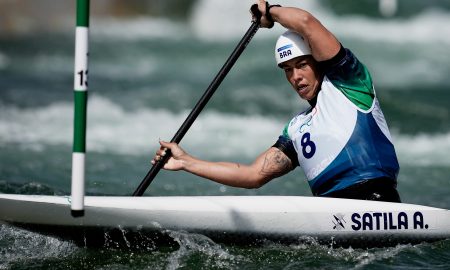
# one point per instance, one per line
(18, 246)
(193, 245)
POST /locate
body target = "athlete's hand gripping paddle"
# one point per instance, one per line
(256, 22)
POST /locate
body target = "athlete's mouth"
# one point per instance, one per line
(301, 88)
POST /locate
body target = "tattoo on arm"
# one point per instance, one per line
(276, 164)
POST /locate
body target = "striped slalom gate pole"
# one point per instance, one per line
(80, 100)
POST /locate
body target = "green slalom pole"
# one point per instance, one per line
(80, 100)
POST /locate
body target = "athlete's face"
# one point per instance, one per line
(302, 73)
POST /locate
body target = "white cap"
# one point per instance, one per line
(290, 45)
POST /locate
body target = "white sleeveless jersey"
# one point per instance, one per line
(338, 144)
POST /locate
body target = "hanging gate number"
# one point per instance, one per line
(83, 77)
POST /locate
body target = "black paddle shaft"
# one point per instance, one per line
(203, 100)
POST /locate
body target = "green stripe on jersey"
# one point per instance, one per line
(359, 88)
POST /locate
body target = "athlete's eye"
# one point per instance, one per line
(301, 65)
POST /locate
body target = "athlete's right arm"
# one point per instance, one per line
(267, 166)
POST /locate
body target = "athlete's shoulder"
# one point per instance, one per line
(351, 77)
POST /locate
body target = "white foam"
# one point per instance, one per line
(423, 149)
(49, 125)
(215, 20)
(111, 129)
(213, 134)
(425, 28)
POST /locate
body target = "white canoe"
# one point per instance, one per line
(228, 218)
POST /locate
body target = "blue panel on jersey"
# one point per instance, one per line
(367, 155)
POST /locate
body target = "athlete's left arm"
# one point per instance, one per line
(270, 164)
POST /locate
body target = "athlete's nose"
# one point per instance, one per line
(297, 75)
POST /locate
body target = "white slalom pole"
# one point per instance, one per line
(80, 100)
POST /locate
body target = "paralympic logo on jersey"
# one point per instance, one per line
(376, 221)
(302, 116)
(308, 121)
